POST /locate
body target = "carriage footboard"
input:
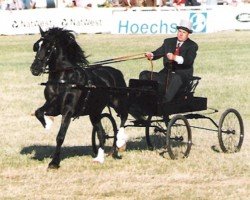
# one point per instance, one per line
(188, 105)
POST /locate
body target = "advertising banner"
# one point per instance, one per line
(78, 19)
(121, 21)
(158, 22)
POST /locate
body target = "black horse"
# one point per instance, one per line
(59, 55)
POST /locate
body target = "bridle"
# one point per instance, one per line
(47, 57)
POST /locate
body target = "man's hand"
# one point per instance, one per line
(170, 56)
(149, 55)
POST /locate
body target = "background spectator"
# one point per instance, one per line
(192, 3)
(150, 3)
(130, 3)
(38, 4)
(66, 3)
(179, 3)
(12, 5)
(160, 3)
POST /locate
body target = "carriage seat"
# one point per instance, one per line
(188, 88)
(146, 97)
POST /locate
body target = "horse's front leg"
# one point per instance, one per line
(96, 122)
(66, 119)
(41, 112)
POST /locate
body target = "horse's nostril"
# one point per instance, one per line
(35, 71)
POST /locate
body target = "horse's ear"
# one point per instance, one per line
(41, 30)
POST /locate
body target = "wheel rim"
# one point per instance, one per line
(110, 130)
(231, 132)
(179, 138)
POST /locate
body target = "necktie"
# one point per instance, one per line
(172, 65)
(177, 49)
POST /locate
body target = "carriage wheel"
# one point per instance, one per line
(231, 131)
(156, 133)
(179, 137)
(110, 130)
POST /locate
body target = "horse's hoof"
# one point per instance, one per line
(49, 121)
(98, 161)
(121, 144)
(116, 155)
(122, 148)
(100, 156)
(53, 166)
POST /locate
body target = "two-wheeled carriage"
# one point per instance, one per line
(167, 126)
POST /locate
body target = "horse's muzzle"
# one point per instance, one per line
(36, 68)
(35, 72)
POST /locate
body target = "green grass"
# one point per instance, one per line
(25, 148)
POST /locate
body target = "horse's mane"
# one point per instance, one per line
(66, 40)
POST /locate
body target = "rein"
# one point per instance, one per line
(120, 59)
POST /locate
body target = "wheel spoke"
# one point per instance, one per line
(156, 135)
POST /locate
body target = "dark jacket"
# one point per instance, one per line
(188, 51)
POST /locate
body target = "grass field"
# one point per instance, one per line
(25, 147)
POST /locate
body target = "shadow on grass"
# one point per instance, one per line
(215, 149)
(41, 152)
(137, 144)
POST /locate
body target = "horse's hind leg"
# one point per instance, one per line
(121, 135)
(100, 133)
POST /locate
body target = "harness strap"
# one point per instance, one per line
(84, 105)
(152, 70)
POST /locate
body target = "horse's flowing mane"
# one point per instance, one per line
(66, 40)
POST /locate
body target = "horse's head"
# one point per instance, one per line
(45, 49)
(54, 46)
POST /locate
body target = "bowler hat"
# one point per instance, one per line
(185, 25)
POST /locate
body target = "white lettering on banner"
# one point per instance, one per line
(81, 22)
(30, 24)
(126, 27)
